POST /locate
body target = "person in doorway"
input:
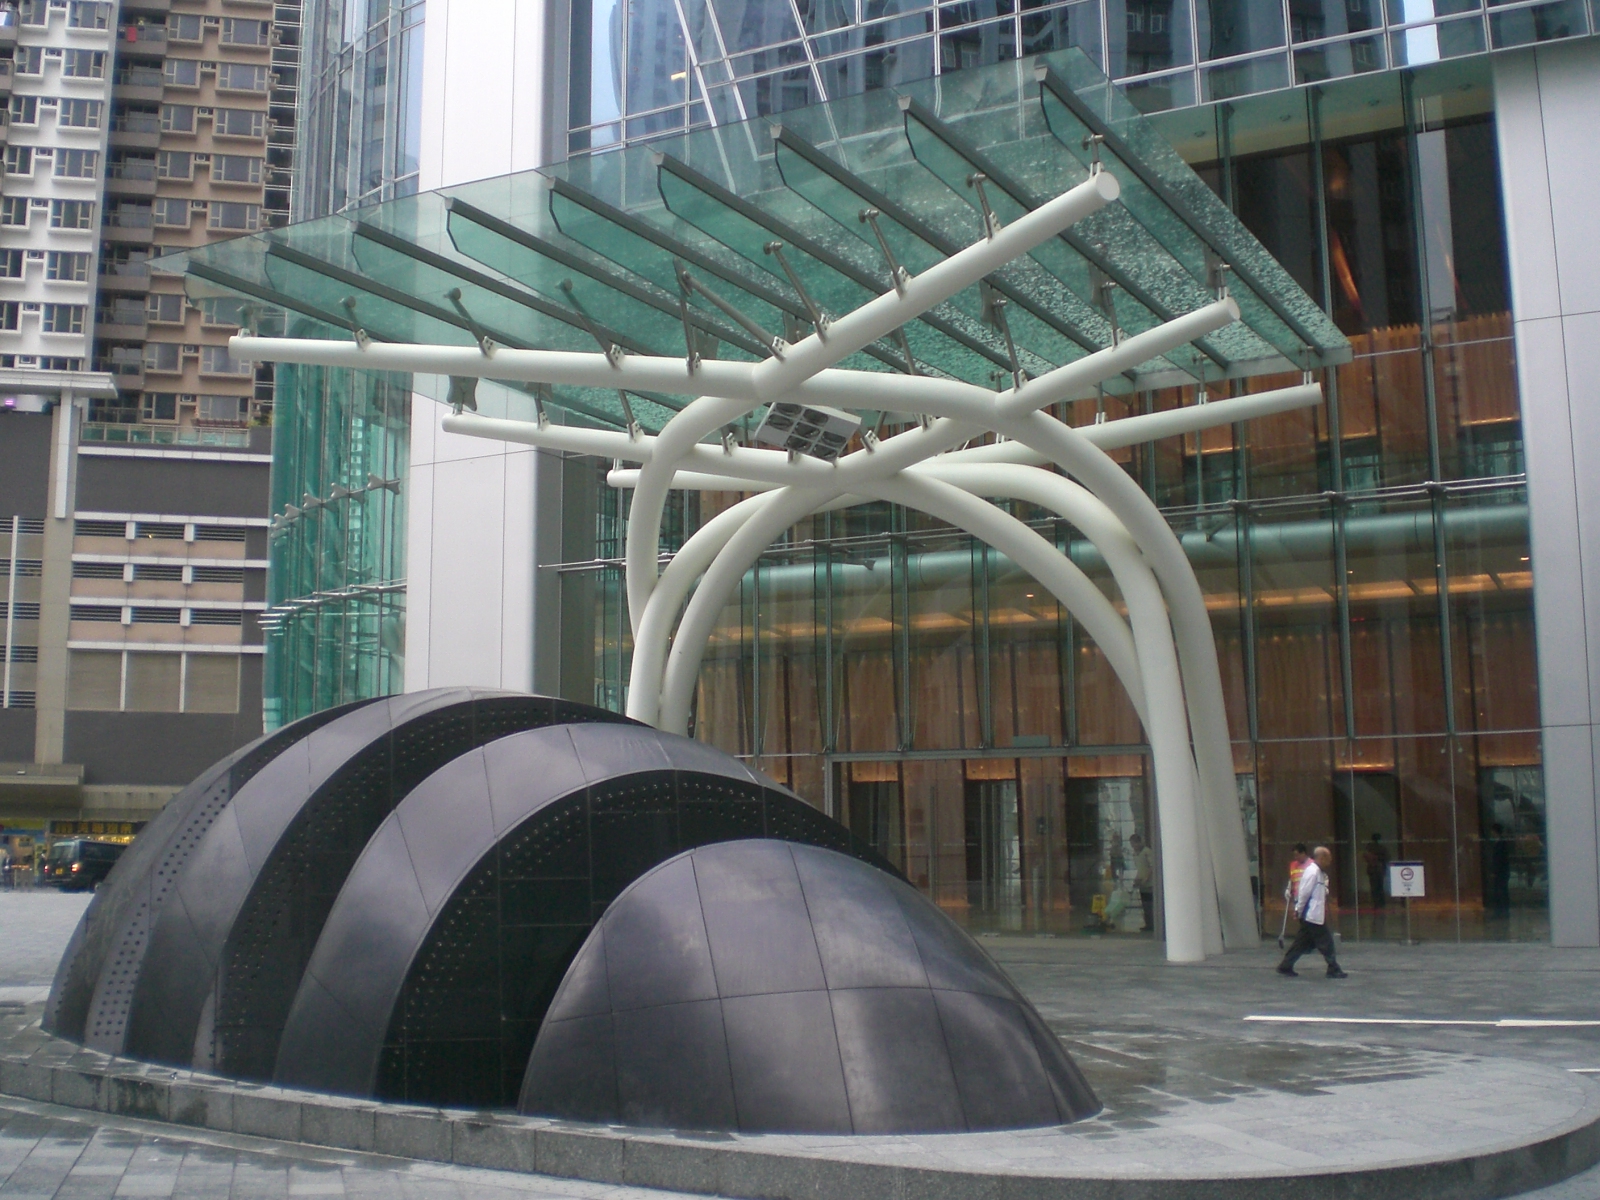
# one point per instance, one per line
(1375, 857)
(1144, 878)
(1311, 907)
(1500, 847)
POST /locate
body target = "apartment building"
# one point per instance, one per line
(190, 133)
(58, 76)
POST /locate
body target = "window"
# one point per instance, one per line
(170, 212)
(83, 64)
(67, 266)
(235, 168)
(35, 12)
(29, 60)
(218, 574)
(237, 31)
(183, 28)
(219, 533)
(215, 360)
(216, 310)
(175, 164)
(159, 406)
(10, 264)
(79, 114)
(96, 570)
(215, 616)
(165, 307)
(221, 410)
(239, 122)
(62, 318)
(177, 118)
(77, 164)
(162, 356)
(97, 612)
(59, 362)
(14, 210)
(100, 529)
(211, 683)
(246, 217)
(94, 679)
(72, 214)
(24, 110)
(19, 160)
(181, 72)
(158, 572)
(10, 315)
(88, 14)
(240, 77)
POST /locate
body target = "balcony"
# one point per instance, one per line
(138, 84)
(127, 233)
(124, 277)
(136, 131)
(131, 179)
(109, 329)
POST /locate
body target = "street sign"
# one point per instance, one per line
(1406, 879)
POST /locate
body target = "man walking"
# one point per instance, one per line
(1144, 875)
(1311, 906)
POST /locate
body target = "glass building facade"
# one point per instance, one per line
(1366, 565)
(336, 586)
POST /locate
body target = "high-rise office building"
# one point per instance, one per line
(1395, 579)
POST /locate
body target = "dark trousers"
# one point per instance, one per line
(1147, 900)
(1311, 937)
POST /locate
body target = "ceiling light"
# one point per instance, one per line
(810, 429)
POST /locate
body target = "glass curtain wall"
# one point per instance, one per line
(641, 68)
(1365, 563)
(336, 579)
(360, 104)
(335, 622)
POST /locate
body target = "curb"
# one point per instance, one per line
(61, 1073)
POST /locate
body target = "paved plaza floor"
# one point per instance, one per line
(1154, 1040)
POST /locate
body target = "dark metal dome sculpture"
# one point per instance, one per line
(760, 986)
(458, 923)
(384, 900)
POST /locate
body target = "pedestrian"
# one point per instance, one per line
(1376, 857)
(1144, 878)
(1311, 907)
(1500, 847)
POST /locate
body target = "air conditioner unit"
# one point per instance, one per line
(203, 111)
(202, 160)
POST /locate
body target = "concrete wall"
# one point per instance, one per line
(474, 516)
(1548, 105)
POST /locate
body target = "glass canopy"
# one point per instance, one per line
(733, 236)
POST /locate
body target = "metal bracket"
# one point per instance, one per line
(688, 283)
(901, 277)
(730, 437)
(485, 342)
(1217, 273)
(1102, 285)
(635, 432)
(994, 312)
(869, 440)
(905, 348)
(819, 319)
(692, 352)
(463, 393)
(613, 352)
(363, 339)
(991, 223)
(1092, 144)
(540, 391)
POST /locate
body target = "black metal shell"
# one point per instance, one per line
(760, 986)
(226, 952)
(95, 980)
(454, 929)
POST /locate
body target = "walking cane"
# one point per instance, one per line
(1285, 928)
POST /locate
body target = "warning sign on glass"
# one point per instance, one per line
(1406, 879)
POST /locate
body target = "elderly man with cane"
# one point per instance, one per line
(1311, 906)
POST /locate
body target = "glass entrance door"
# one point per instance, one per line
(994, 854)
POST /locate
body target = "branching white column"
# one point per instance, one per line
(1164, 653)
